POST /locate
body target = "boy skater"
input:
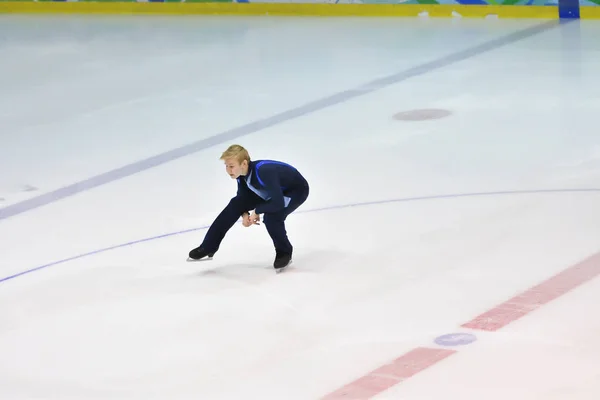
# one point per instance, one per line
(269, 188)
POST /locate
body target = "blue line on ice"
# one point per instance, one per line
(333, 207)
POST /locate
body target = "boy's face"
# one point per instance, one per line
(234, 168)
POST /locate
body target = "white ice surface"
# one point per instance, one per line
(84, 95)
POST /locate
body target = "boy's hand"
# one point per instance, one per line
(255, 219)
(246, 220)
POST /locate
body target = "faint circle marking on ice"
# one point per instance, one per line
(455, 339)
(421, 114)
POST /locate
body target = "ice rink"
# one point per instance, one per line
(447, 258)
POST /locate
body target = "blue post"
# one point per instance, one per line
(568, 9)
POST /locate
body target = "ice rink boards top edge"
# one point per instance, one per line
(287, 9)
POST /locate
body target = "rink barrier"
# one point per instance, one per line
(289, 9)
(589, 12)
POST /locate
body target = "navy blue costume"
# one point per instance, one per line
(271, 188)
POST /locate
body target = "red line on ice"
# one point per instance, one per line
(390, 374)
(537, 296)
(421, 358)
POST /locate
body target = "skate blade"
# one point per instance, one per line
(202, 259)
(280, 270)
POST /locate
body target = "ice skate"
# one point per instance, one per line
(199, 254)
(282, 261)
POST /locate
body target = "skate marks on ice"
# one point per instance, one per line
(242, 272)
(252, 278)
(442, 196)
(15, 192)
(316, 261)
(251, 273)
(310, 262)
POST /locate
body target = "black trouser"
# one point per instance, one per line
(274, 222)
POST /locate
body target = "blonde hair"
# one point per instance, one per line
(236, 151)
